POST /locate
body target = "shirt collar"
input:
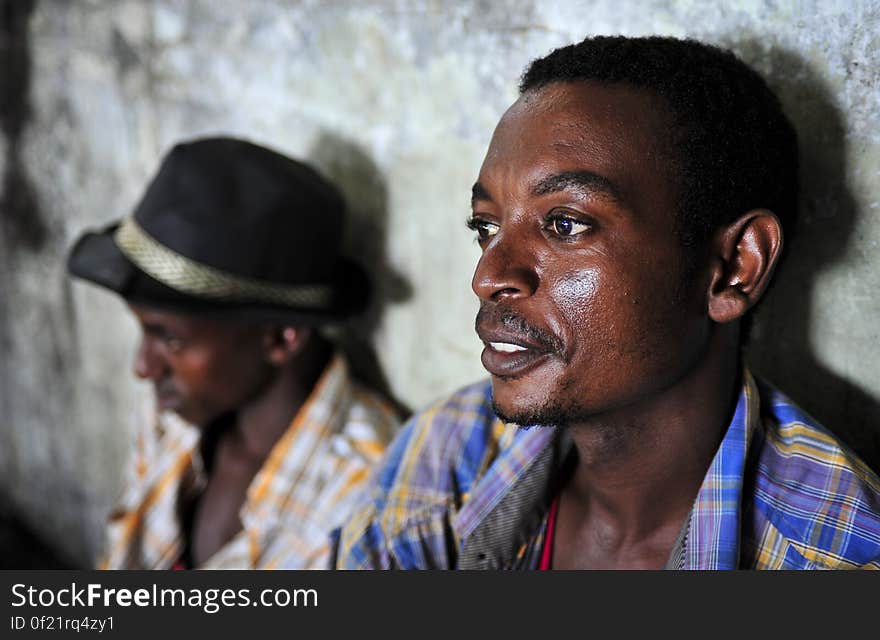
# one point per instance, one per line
(713, 539)
(323, 411)
(286, 461)
(509, 500)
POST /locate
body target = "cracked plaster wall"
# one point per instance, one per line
(396, 101)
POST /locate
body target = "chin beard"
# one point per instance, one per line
(607, 440)
(550, 414)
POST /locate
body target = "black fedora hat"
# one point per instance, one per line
(230, 227)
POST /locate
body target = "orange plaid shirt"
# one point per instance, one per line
(305, 488)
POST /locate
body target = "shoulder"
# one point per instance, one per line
(345, 439)
(441, 450)
(815, 493)
(354, 422)
(368, 425)
(423, 479)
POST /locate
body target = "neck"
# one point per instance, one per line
(261, 422)
(640, 467)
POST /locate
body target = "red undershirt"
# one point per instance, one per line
(547, 551)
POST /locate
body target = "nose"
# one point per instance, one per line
(506, 270)
(148, 364)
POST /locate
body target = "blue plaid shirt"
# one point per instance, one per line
(459, 489)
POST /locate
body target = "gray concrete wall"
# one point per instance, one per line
(396, 101)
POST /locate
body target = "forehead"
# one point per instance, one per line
(184, 323)
(614, 131)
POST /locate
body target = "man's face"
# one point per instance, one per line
(585, 303)
(201, 368)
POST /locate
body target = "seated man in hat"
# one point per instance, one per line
(630, 211)
(260, 439)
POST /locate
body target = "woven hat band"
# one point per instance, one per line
(202, 281)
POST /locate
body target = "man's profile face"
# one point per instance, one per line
(201, 368)
(585, 306)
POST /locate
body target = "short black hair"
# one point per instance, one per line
(734, 149)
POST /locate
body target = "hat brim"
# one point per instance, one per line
(97, 258)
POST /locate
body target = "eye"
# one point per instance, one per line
(566, 226)
(172, 343)
(484, 228)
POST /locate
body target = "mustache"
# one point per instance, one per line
(504, 317)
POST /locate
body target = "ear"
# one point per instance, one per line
(745, 255)
(283, 344)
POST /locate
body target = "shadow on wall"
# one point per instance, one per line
(23, 231)
(780, 346)
(365, 241)
(22, 225)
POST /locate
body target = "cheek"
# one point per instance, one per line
(582, 300)
(576, 288)
(612, 317)
(236, 374)
(192, 370)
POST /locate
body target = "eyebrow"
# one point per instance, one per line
(587, 183)
(479, 192)
(154, 329)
